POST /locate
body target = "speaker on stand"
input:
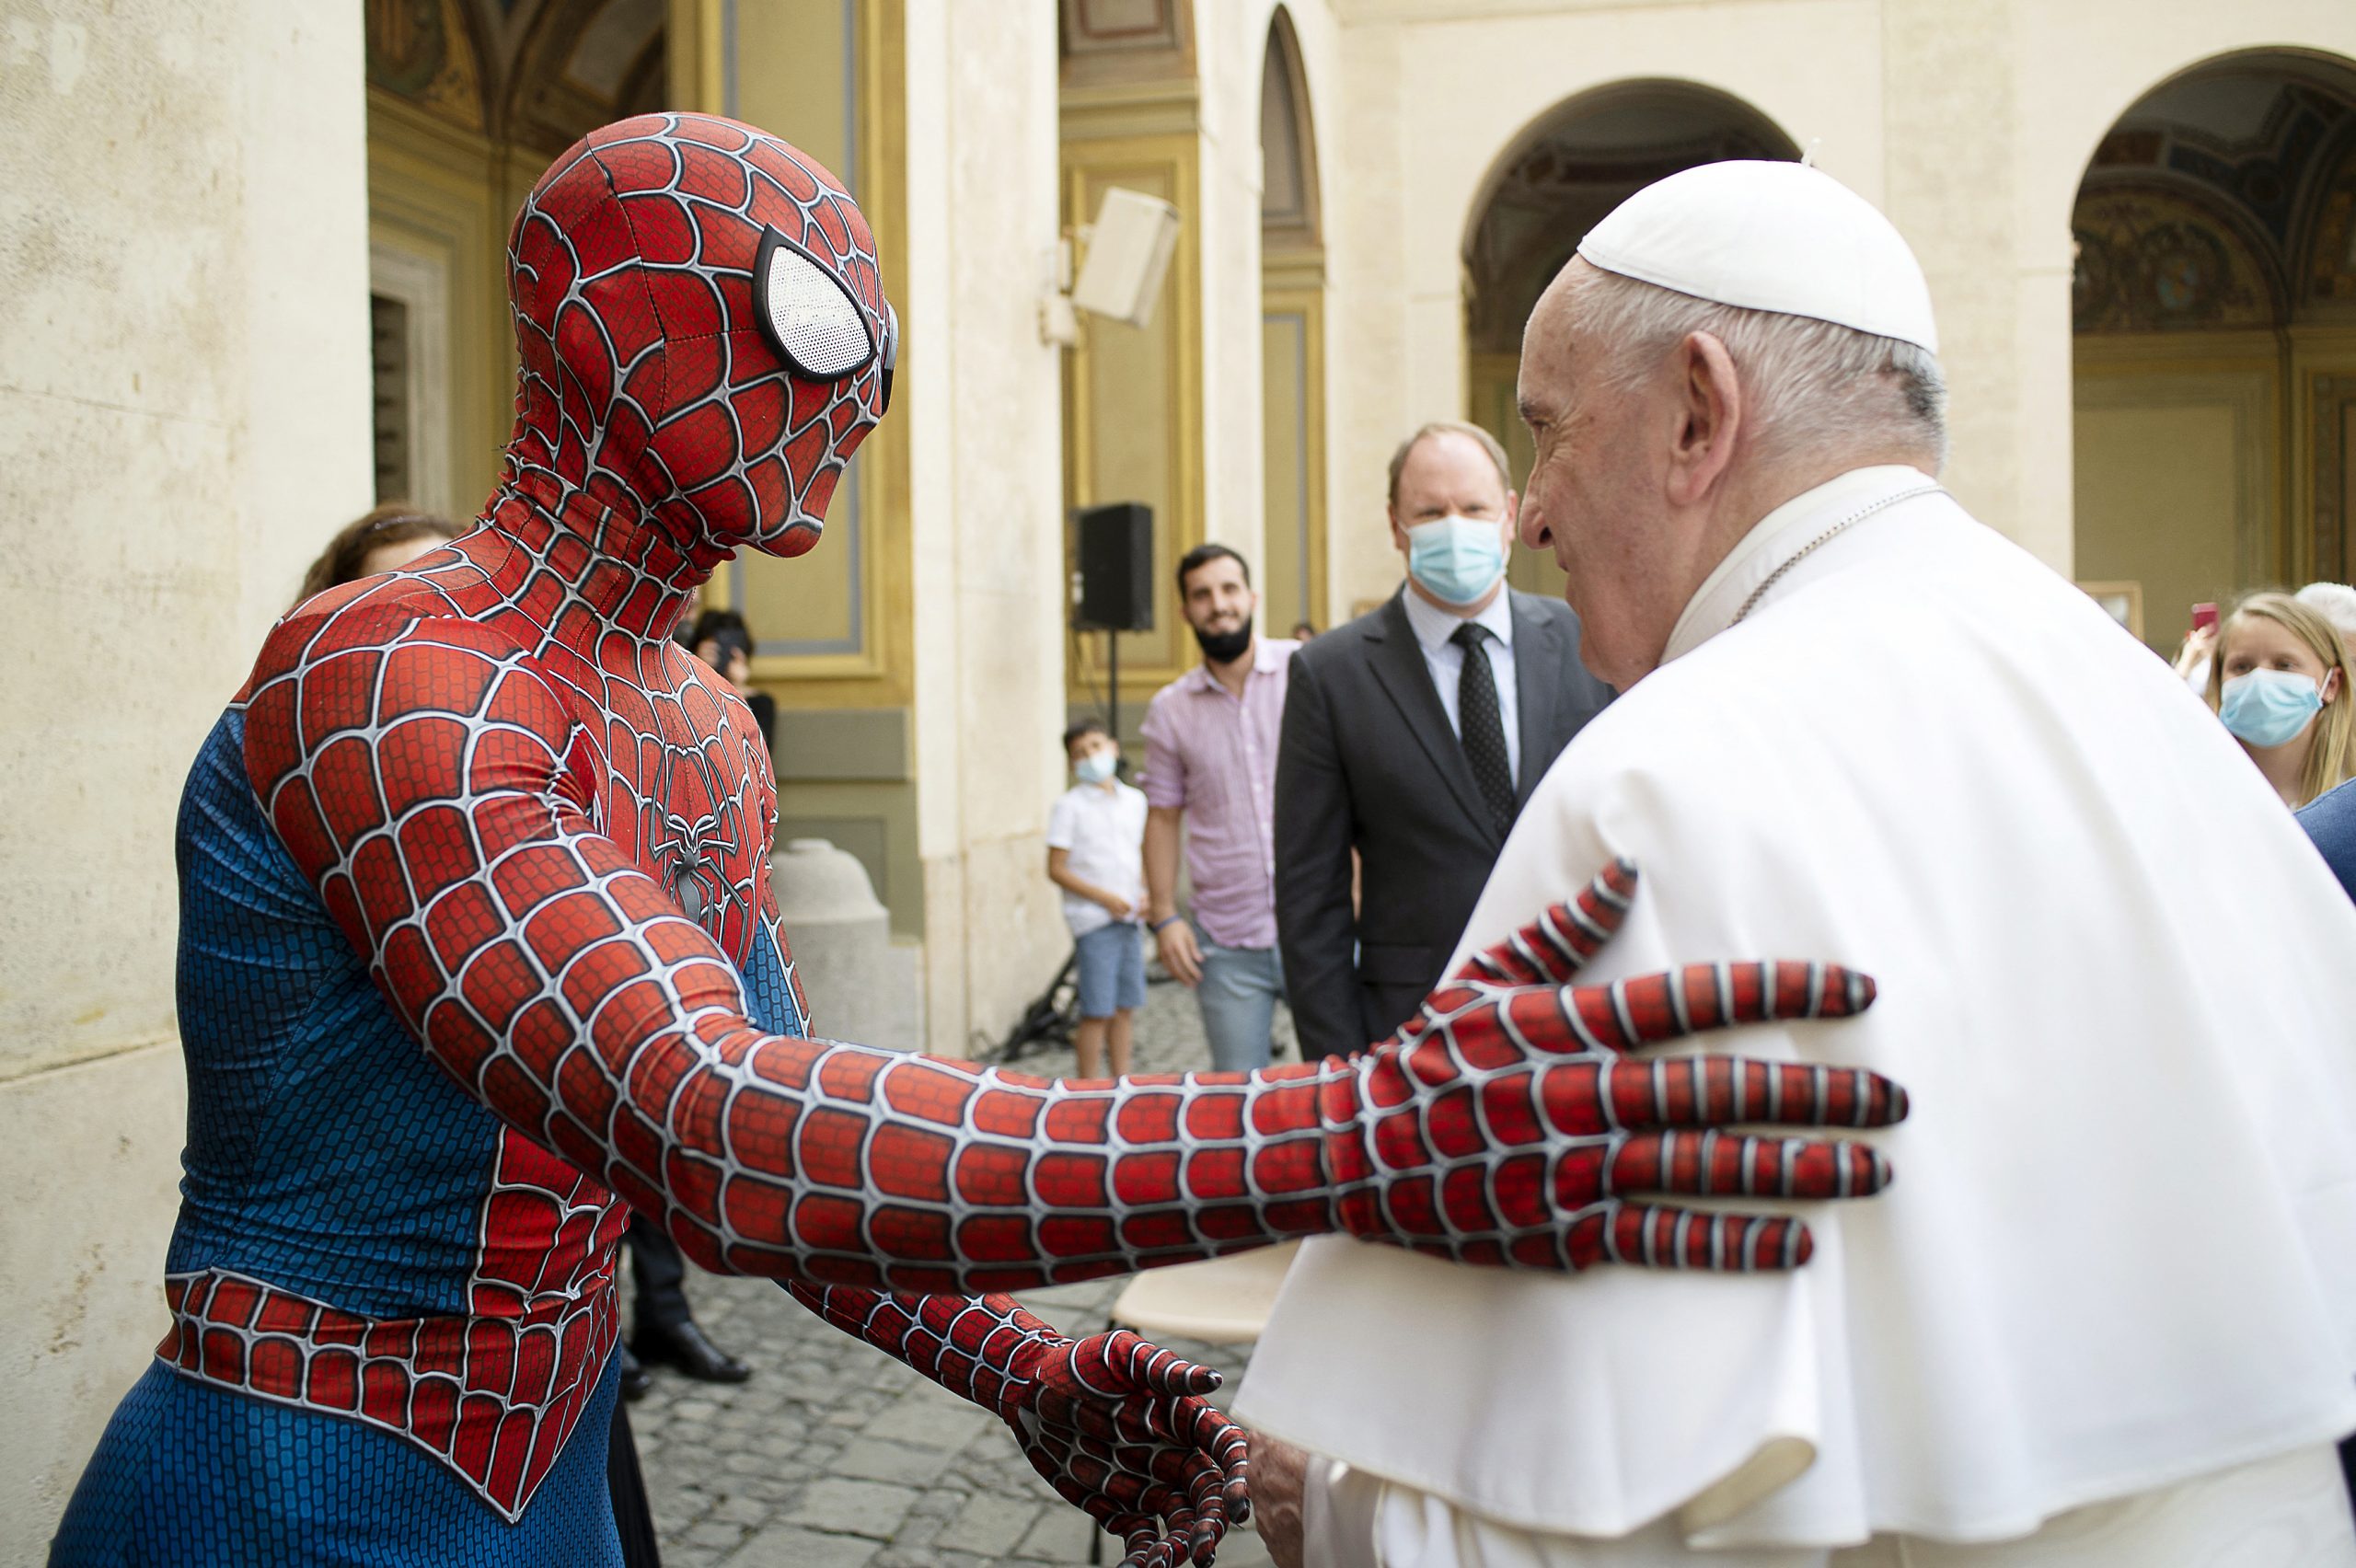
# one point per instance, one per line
(1115, 551)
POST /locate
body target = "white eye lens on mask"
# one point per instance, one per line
(2270, 708)
(1457, 558)
(809, 312)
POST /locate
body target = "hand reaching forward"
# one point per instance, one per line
(1118, 1426)
(1120, 1430)
(1507, 1056)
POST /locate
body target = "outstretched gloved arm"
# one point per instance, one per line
(1118, 1426)
(426, 777)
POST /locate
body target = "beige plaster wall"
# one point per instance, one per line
(986, 451)
(183, 420)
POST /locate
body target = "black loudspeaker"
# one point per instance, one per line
(1115, 568)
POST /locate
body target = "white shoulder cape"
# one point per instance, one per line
(2120, 986)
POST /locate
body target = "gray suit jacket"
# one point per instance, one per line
(1368, 762)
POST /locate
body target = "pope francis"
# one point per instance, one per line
(2107, 1314)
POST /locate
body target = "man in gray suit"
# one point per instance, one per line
(1412, 735)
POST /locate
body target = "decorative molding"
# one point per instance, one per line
(1167, 165)
(417, 276)
(2123, 601)
(1289, 200)
(2262, 551)
(437, 191)
(843, 743)
(872, 669)
(1106, 41)
(2331, 514)
(1129, 111)
(1306, 309)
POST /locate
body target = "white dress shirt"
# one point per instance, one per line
(1434, 627)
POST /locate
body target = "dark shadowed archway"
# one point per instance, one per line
(1566, 170)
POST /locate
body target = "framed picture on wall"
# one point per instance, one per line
(2123, 602)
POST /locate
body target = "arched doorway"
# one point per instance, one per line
(2214, 316)
(1292, 344)
(1571, 165)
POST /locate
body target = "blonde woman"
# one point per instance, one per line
(2281, 682)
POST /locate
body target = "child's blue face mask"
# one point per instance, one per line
(1096, 767)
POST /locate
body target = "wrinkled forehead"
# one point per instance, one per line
(1548, 337)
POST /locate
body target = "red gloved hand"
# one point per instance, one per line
(1504, 1055)
(1118, 1426)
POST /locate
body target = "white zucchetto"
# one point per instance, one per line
(1778, 236)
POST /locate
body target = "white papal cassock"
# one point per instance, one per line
(2116, 1272)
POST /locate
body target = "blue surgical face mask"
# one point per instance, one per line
(2268, 708)
(1096, 767)
(1457, 559)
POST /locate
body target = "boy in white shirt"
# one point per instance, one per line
(1096, 854)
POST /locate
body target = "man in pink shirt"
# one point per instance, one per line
(1210, 780)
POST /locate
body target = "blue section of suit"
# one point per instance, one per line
(328, 1155)
(190, 1474)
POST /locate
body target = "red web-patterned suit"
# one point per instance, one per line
(546, 829)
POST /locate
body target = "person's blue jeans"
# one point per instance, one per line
(1238, 995)
(1112, 969)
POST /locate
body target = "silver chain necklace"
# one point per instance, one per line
(1805, 551)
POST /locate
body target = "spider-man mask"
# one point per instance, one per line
(703, 333)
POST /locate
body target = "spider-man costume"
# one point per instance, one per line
(485, 805)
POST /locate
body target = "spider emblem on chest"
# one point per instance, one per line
(694, 854)
(698, 842)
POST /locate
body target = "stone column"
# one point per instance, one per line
(185, 419)
(1228, 44)
(2002, 293)
(984, 434)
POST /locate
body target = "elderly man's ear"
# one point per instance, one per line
(1709, 413)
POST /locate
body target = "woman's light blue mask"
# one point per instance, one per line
(2268, 708)
(1457, 559)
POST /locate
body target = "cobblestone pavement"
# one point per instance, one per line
(834, 1456)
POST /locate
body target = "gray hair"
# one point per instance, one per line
(2335, 602)
(1809, 383)
(1471, 433)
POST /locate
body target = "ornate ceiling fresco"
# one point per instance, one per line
(2224, 199)
(537, 73)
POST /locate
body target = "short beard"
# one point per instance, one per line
(1224, 647)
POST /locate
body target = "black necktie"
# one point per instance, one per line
(1482, 731)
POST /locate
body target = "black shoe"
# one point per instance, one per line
(636, 1379)
(683, 1346)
